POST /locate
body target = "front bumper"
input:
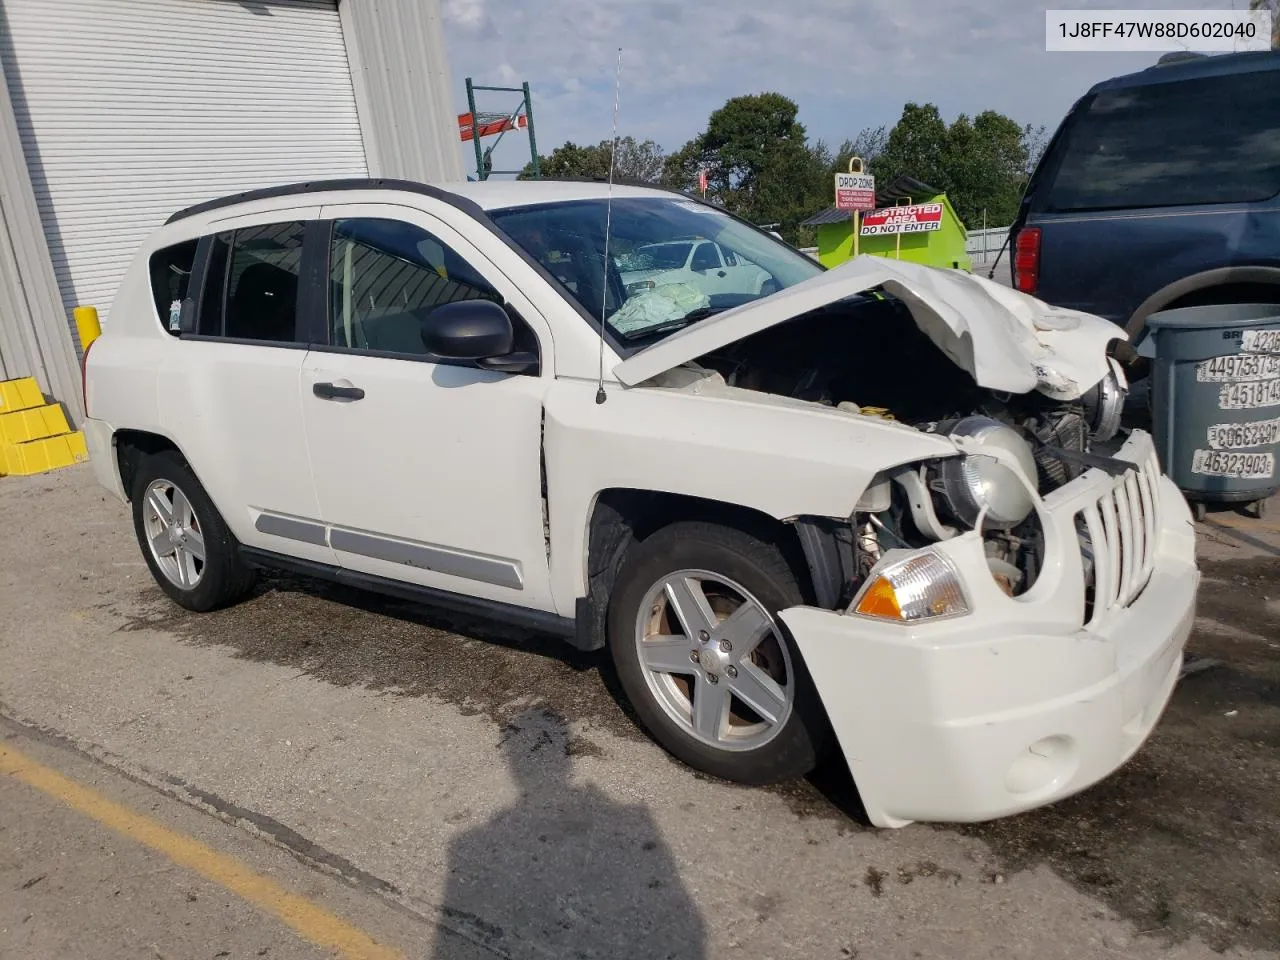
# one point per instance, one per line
(1016, 704)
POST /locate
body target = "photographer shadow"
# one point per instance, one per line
(565, 870)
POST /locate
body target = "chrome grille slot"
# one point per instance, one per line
(1121, 528)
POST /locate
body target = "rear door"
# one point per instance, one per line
(229, 391)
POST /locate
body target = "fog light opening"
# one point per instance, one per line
(1045, 765)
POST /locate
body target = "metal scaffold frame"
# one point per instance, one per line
(474, 126)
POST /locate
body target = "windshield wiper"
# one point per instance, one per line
(670, 326)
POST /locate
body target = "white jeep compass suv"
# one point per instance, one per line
(882, 503)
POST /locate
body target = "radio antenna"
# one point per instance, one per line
(608, 226)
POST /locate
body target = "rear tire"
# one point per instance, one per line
(704, 590)
(187, 546)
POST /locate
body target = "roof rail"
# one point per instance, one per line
(314, 186)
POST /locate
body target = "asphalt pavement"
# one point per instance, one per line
(318, 772)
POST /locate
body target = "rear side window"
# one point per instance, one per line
(251, 284)
(1210, 140)
(170, 277)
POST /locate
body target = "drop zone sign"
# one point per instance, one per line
(917, 218)
(855, 191)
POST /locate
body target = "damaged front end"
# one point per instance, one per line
(865, 356)
(1023, 390)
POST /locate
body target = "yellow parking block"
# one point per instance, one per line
(34, 424)
(37, 456)
(20, 394)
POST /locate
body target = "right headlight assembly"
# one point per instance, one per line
(972, 484)
(923, 586)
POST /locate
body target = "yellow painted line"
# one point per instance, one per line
(312, 922)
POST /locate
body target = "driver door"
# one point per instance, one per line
(427, 470)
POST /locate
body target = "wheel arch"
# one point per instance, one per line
(621, 516)
(1206, 287)
(132, 445)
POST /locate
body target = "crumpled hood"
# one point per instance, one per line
(1005, 339)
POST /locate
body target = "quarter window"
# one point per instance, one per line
(384, 276)
(170, 277)
(251, 284)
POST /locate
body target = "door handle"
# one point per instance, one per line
(720, 273)
(331, 391)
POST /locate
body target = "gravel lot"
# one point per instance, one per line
(487, 784)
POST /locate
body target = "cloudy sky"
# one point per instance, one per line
(849, 64)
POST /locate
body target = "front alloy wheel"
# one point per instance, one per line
(711, 671)
(715, 660)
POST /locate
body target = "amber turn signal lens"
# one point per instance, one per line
(920, 587)
(880, 600)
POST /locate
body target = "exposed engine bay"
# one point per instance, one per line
(867, 355)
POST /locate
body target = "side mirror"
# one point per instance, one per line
(467, 330)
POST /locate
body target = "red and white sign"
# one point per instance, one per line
(917, 218)
(702, 180)
(855, 191)
(466, 125)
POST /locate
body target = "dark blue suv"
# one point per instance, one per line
(1160, 189)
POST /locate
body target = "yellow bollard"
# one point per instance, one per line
(87, 325)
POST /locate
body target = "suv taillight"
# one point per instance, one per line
(1026, 260)
(84, 376)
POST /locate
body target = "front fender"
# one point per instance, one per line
(779, 457)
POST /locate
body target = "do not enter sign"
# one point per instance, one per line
(916, 218)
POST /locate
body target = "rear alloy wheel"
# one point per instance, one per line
(704, 660)
(173, 534)
(185, 542)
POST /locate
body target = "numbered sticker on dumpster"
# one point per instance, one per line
(1260, 341)
(1249, 396)
(1241, 436)
(1243, 366)
(1234, 466)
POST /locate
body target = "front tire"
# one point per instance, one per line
(712, 673)
(185, 542)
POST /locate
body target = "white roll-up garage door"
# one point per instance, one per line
(131, 109)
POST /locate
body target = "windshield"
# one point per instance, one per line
(652, 287)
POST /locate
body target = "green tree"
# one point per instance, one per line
(636, 160)
(757, 160)
(916, 147)
(640, 160)
(986, 164)
(1036, 140)
(869, 144)
(981, 163)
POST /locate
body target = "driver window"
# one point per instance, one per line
(705, 258)
(383, 276)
